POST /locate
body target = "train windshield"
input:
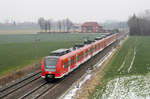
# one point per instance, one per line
(50, 64)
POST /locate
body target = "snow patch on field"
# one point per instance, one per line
(132, 87)
(122, 65)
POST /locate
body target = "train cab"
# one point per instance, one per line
(51, 64)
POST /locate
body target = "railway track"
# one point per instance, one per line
(32, 91)
(19, 84)
(39, 91)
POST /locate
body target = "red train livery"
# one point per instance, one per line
(62, 61)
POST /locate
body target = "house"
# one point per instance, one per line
(91, 27)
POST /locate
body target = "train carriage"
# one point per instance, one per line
(63, 61)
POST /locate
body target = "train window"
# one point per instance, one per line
(86, 53)
(90, 51)
(66, 64)
(102, 44)
(93, 49)
(96, 47)
(50, 63)
(72, 60)
(79, 56)
(82, 55)
(69, 62)
(76, 58)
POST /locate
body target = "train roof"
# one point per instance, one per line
(75, 51)
(51, 56)
(99, 38)
(78, 50)
(59, 52)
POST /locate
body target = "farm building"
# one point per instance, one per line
(91, 27)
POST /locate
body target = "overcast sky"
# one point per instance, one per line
(76, 10)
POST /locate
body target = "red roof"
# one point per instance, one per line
(90, 24)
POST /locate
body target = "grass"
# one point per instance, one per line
(18, 51)
(132, 59)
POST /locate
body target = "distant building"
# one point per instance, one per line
(91, 27)
(76, 28)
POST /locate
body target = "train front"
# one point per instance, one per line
(48, 67)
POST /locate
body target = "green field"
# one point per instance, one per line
(17, 51)
(127, 75)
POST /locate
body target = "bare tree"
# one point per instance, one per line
(49, 23)
(68, 24)
(139, 25)
(64, 25)
(41, 22)
(59, 25)
(46, 25)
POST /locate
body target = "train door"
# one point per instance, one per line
(76, 59)
(92, 50)
(81, 55)
(86, 53)
(73, 59)
(66, 65)
(89, 52)
(69, 64)
(105, 43)
(62, 67)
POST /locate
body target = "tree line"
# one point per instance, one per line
(55, 26)
(140, 25)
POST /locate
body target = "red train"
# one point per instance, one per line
(62, 61)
